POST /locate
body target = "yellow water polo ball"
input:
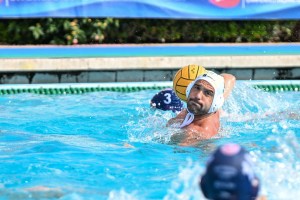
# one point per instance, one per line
(184, 77)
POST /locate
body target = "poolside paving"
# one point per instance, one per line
(136, 63)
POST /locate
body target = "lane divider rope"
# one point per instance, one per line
(81, 90)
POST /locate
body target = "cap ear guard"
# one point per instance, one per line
(216, 104)
(255, 186)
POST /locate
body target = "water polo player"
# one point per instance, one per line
(229, 175)
(205, 96)
(166, 100)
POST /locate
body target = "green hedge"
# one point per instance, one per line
(117, 31)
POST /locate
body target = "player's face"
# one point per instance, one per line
(200, 98)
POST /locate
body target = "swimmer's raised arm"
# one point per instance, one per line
(229, 82)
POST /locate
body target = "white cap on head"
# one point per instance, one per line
(214, 80)
(217, 82)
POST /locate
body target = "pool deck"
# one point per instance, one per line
(143, 63)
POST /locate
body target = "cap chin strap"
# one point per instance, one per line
(189, 118)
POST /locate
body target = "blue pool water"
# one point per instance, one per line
(111, 145)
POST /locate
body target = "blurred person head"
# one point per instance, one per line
(165, 100)
(229, 175)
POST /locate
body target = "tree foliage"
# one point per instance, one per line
(117, 31)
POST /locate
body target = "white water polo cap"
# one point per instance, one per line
(217, 82)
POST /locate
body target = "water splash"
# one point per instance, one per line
(149, 126)
(278, 165)
(186, 186)
(246, 103)
(122, 195)
(246, 109)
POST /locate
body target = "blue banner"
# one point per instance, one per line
(167, 9)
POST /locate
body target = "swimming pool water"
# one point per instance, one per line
(111, 145)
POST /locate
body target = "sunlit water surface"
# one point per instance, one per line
(110, 145)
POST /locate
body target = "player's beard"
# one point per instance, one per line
(196, 107)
